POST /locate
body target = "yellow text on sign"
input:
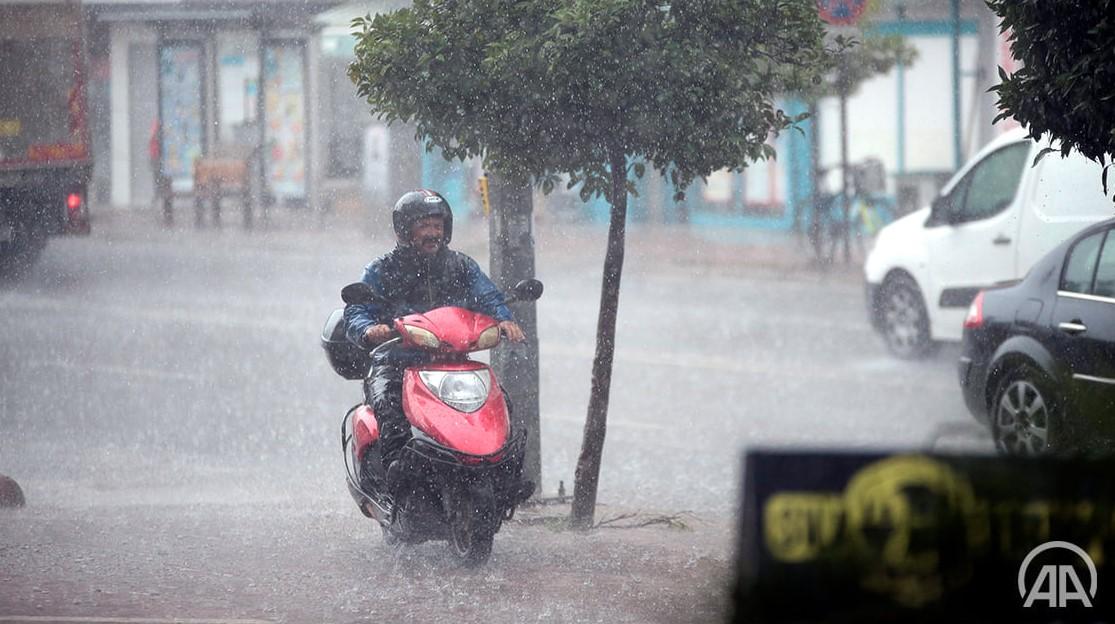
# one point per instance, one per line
(799, 526)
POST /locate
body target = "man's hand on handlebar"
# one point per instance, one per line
(512, 330)
(378, 333)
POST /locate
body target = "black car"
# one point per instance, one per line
(1038, 365)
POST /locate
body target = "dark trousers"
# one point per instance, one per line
(383, 390)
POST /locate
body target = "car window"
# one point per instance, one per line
(955, 199)
(1105, 270)
(992, 184)
(1081, 265)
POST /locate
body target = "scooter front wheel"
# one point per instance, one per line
(472, 526)
(390, 539)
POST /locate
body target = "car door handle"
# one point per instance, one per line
(1073, 327)
(1001, 239)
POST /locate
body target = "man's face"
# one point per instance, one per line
(427, 235)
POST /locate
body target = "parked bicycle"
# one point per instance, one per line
(867, 214)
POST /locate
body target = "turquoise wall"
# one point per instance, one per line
(454, 180)
(654, 198)
(795, 181)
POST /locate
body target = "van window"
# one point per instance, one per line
(1105, 271)
(1081, 265)
(989, 188)
(1070, 187)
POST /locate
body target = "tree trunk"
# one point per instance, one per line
(516, 365)
(592, 445)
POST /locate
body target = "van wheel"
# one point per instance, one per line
(1026, 417)
(905, 322)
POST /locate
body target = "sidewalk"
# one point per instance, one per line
(648, 247)
(699, 250)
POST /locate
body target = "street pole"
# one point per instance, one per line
(844, 197)
(958, 155)
(511, 244)
(900, 70)
(986, 76)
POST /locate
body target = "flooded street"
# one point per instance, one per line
(173, 422)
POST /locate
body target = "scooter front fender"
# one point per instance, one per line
(483, 432)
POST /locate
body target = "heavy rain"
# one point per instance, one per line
(186, 186)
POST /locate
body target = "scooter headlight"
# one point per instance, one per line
(422, 337)
(465, 391)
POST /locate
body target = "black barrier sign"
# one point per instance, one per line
(831, 537)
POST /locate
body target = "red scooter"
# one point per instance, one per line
(462, 467)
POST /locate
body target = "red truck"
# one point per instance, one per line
(45, 159)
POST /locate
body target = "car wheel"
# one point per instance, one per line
(1026, 417)
(905, 321)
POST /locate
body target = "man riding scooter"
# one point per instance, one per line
(421, 273)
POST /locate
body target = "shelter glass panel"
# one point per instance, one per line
(284, 111)
(181, 111)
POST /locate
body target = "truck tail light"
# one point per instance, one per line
(975, 313)
(77, 216)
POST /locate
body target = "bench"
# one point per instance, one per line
(224, 172)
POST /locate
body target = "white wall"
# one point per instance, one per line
(873, 111)
(237, 81)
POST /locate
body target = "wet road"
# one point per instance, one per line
(163, 394)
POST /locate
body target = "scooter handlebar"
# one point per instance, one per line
(386, 344)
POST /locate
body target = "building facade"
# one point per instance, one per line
(175, 81)
(919, 123)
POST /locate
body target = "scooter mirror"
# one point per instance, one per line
(359, 293)
(527, 290)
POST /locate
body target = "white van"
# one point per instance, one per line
(992, 221)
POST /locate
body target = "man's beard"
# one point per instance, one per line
(422, 245)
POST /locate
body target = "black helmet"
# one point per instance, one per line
(417, 205)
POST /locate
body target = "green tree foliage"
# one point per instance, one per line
(594, 90)
(546, 87)
(1066, 86)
